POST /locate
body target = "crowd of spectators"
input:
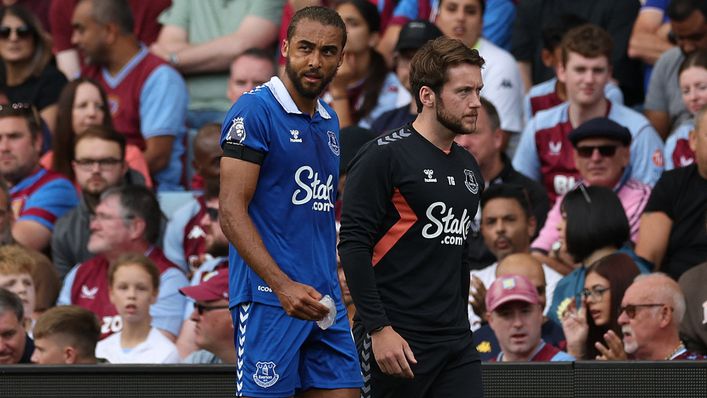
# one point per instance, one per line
(590, 241)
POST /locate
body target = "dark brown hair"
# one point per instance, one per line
(64, 134)
(430, 64)
(589, 41)
(619, 270)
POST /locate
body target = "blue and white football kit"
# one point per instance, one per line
(293, 210)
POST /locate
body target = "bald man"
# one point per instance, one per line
(651, 311)
(530, 267)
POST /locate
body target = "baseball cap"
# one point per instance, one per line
(415, 34)
(214, 286)
(600, 127)
(510, 288)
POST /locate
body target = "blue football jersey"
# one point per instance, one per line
(293, 204)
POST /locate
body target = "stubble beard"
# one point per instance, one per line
(313, 93)
(450, 122)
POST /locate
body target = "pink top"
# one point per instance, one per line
(133, 156)
(633, 196)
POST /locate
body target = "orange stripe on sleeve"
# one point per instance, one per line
(407, 220)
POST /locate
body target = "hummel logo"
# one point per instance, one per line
(505, 83)
(400, 134)
(295, 136)
(555, 147)
(429, 173)
(88, 293)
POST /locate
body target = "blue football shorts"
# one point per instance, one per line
(278, 355)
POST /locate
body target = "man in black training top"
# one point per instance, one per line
(410, 198)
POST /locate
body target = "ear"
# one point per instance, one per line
(111, 295)
(666, 317)
(427, 97)
(548, 58)
(498, 139)
(625, 155)
(374, 39)
(532, 225)
(125, 169)
(137, 228)
(284, 48)
(38, 140)
(70, 355)
(153, 299)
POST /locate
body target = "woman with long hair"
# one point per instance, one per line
(27, 71)
(593, 225)
(692, 77)
(82, 103)
(586, 328)
(363, 88)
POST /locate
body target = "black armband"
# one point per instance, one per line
(240, 151)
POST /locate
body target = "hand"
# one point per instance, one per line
(477, 296)
(393, 354)
(301, 301)
(614, 349)
(159, 51)
(574, 325)
(345, 75)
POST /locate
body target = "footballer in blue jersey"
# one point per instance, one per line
(279, 176)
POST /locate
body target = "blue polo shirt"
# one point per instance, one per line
(293, 204)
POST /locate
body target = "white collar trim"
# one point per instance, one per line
(279, 91)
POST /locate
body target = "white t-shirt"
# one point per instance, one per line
(502, 84)
(488, 275)
(155, 349)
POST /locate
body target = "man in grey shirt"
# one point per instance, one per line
(664, 106)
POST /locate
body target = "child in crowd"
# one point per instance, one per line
(134, 282)
(16, 276)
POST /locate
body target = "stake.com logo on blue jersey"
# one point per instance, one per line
(312, 189)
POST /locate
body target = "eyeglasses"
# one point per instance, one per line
(587, 151)
(596, 293)
(22, 32)
(103, 164)
(630, 309)
(212, 212)
(201, 308)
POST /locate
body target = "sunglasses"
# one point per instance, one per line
(22, 32)
(587, 151)
(630, 309)
(201, 308)
(212, 212)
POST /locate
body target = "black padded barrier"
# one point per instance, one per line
(584, 379)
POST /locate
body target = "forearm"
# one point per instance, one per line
(647, 46)
(242, 233)
(360, 278)
(217, 55)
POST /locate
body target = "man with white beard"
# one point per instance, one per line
(650, 315)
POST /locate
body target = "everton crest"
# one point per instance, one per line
(236, 133)
(470, 181)
(265, 375)
(333, 143)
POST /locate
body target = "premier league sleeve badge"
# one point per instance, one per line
(236, 133)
